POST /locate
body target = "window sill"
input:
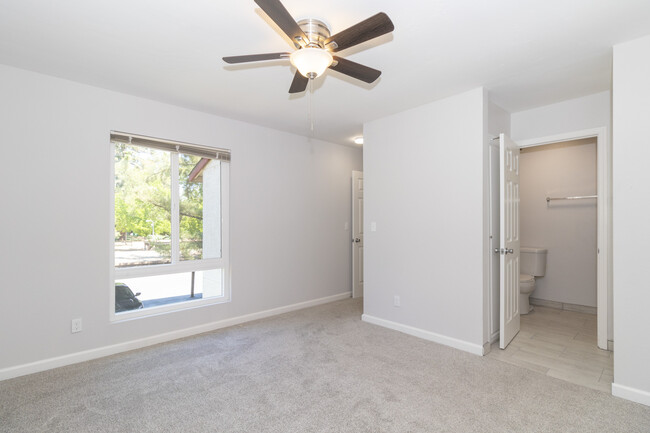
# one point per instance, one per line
(165, 309)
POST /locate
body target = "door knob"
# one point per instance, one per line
(357, 240)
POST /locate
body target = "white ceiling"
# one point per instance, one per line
(526, 53)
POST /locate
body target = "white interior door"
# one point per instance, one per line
(509, 240)
(357, 234)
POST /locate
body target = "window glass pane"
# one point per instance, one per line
(155, 291)
(142, 206)
(200, 207)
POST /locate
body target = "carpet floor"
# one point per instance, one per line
(315, 370)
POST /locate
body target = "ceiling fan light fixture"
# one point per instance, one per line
(311, 62)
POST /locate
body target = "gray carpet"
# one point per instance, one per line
(316, 370)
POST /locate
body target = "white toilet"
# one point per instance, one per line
(532, 264)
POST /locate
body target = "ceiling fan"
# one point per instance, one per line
(314, 45)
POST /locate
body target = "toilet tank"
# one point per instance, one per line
(533, 261)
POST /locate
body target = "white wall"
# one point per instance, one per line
(631, 112)
(588, 112)
(424, 175)
(566, 228)
(498, 120)
(289, 201)
(592, 111)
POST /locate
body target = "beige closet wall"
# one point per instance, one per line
(567, 228)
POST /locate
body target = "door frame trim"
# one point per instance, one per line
(604, 226)
(355, 288)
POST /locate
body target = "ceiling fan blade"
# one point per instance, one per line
(355, 70)
(255, 57)
(280, 16)
(370, 28)
(299, 83)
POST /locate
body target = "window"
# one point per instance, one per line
(170, 228)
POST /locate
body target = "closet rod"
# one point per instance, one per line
(578, 197)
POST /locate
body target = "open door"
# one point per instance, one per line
(357, 234)
(509, 240)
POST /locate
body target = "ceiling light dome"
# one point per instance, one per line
(311, 62)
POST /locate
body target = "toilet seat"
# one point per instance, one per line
(525, 278)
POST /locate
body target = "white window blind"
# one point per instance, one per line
(172, 146)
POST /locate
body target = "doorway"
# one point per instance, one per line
(560, 343)
(604, 298)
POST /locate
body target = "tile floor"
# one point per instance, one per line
(560, 344)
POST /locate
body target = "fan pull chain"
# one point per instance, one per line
(311, 113)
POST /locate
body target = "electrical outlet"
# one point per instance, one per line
(76, 325)
(396, 301)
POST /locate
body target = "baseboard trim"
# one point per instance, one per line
(476, 349)
(563, 306)
(100, 352)
(632, 394)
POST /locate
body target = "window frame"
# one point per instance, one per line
(177, 265)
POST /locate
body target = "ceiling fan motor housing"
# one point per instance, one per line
(316, 31)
